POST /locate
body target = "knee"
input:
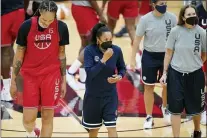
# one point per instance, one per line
(6, 51)
(197, 117)
(149, 88)
(28, 119)
(94, 130)
(111, 129)
(130, 28)
(164, 88)
(47, 116)
(111, 23)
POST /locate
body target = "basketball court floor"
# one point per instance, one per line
(131, 103)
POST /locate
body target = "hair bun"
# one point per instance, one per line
(99, 25)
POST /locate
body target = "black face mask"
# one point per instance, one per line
(106, 45)
(161, 8)
(192, 20)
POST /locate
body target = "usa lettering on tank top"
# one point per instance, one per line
(43, 41)
(42, 51)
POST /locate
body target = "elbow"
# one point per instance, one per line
(203, 57)
(168, 54)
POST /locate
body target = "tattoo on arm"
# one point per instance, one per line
(18, 59)
(17, 67)
(62, 58)
(63, 66)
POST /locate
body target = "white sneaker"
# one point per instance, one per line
(166, 116)
(203, 118)
(149, 123)
(71, 81)
(34, 134)
(5, 92)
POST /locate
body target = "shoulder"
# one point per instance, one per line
(147, 16)
(200, 29)
(117, 48)
(89, 48)
(62, 25)
(25, 27)
(171, 15)
(175, 30)
(26, 24)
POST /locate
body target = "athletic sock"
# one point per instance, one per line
(149, 116)
(74, 67)
(6, 84)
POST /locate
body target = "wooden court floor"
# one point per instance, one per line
(69, 127)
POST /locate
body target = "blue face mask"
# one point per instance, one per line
(161, 9)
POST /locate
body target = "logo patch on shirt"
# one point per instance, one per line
(96, 58)
(144, 78)
(116, 112)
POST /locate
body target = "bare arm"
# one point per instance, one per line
(139, 4)
(17, 62)
(167, 59)
(62, 58)
(136, 45)
(104, 3)
(203, 56)
(95, 6)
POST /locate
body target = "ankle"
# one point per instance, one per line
(30, 134)
(164, 106)
(149, 116)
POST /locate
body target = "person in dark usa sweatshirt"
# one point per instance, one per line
(105, 66)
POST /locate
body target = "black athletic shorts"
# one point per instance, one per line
(185, 91)
(99, 110)
(152, 67)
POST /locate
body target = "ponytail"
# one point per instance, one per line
(97, 31)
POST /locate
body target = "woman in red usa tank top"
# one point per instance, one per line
(41, 62)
